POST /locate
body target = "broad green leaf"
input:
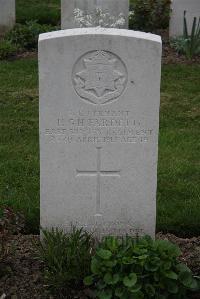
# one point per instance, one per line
(151, 267)
(110, 264)
(153, 264)
(130, 281)
(104, 294)
(112, 243)
(111, 279)
(194, 285)
(182, 268)
(166, 265)
(116, 278)
(127, 260)
(164, 245)
(104, 254)
(119, 292)
(171, 275)
(186, 278)
(108, 278)
(136, 288)
(88, 280)
(143, 257)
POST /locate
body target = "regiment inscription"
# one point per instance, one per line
(98, 126)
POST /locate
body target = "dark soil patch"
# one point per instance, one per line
(190, 250)
(28, 54)
(170, 56)
(24, 279)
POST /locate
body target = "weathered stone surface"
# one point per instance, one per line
(99, 120)
(113, 7)
(192, 7)
(7, 15)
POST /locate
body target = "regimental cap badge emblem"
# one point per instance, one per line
(99, 77)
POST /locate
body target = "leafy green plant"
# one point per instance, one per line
(139, 268)
(149, 15)
(192, 45)
(188, 44)
(7, 49)
(179, 44)
(66, 258)
(26, 36)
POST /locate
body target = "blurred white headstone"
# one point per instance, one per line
(192, 8)
(93, 13)
(7, 15)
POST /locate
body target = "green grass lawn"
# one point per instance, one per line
(19, 157)
(179, 151)
(179, 147)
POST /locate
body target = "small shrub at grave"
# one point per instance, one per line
(26, 36)
(139, 268)
(189, 43)
(66, 257)
(7, 49)
(22, 38)
(149, 15)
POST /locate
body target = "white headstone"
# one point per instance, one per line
(192, 8)
(7, 15)
(93, 13)
(99, 120)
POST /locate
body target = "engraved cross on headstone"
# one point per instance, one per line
(98, 173)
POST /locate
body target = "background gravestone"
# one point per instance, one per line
(88, 7)
(99, 120)
(176, 21)
(7, 15)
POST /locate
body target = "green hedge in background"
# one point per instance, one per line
(149, 15)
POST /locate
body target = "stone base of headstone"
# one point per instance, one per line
(114, 9)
